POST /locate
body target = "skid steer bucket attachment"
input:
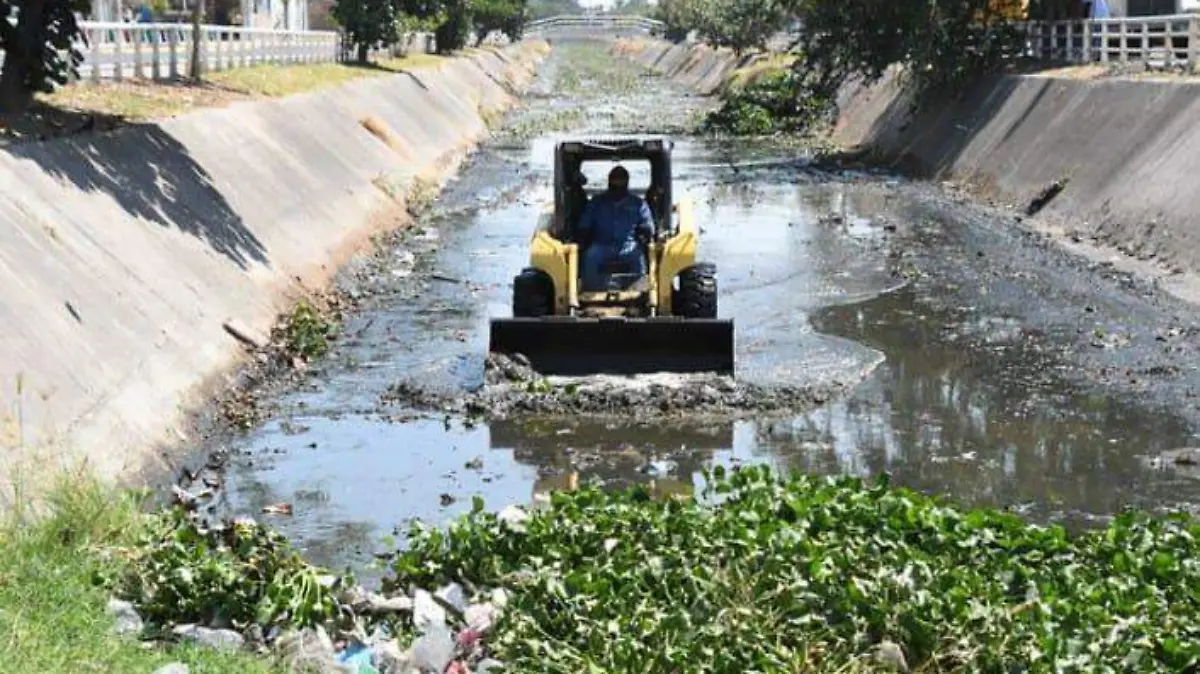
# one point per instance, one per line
(582, 346)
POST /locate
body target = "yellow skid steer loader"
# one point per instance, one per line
(663, 321)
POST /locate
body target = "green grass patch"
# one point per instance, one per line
(800, 574)
(52, 606)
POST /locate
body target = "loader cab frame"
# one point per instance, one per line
(570, 194)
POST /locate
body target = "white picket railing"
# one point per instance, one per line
(163, 51)
(1159, 40)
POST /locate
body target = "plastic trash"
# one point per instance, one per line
(359, 658)
(434, 650)
(427, 613)
(454, 595)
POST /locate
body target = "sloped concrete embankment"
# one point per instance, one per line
(1126, 152)
(698, 66)
(123, 255)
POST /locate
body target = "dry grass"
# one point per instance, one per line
(764, 65)
(107, 105)
(1114, 72)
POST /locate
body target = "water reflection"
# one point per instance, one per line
(989, 419)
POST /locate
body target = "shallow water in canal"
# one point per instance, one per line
(949, 399)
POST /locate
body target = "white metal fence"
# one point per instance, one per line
(163, 51)
(1166, 41)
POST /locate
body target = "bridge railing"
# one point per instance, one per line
(598, 23)
(163, 51)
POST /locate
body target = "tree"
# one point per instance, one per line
(683, 16)
(941, 43)
(746, 24)
(368, 24)
(421, 15)
(542, 9)
(633, 8)
(455, 29)
(506, 16)
(33, 46)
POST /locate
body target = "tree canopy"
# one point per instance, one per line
(939, 45)
(38, 48)
(373, 24)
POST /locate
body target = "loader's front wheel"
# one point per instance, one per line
(697, 294)
(532, 294)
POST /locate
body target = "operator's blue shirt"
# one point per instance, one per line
(614, 222)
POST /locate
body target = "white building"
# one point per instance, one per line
(273, 14)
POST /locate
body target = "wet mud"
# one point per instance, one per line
(511, 388)
(881, 325)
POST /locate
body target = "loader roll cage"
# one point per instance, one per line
(570, 194)
(661, 320)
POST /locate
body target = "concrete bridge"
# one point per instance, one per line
(585, 26)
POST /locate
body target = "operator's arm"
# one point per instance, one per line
(646, 220)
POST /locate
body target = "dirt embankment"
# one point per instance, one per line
(1104, 163)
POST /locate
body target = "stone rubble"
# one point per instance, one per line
(126, 618)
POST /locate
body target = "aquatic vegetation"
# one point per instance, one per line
(239, 573)
(799, 573)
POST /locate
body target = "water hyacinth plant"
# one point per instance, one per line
(767, 573)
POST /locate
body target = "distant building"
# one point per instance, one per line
(276, 14)
(272, 14)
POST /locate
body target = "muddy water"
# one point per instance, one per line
(949, 400)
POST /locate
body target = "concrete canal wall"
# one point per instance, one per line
(1128, 150)
(123, 255)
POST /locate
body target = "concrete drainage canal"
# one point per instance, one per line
(883, 325)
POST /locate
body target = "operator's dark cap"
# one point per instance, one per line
(618, 173)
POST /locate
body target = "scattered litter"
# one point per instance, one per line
(427, 613)
(210, 638)
(434, 649)
(278, 509)
(453, 595)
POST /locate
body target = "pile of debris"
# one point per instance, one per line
(449, 631)
(511, 387)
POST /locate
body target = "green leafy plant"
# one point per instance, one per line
(239, 573)
(771, 573)
(778, 102)
(305, 332)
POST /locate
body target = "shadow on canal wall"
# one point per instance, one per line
(123, 255)
(1125, 149)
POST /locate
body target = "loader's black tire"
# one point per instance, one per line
(697, 294)
(533, 294)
